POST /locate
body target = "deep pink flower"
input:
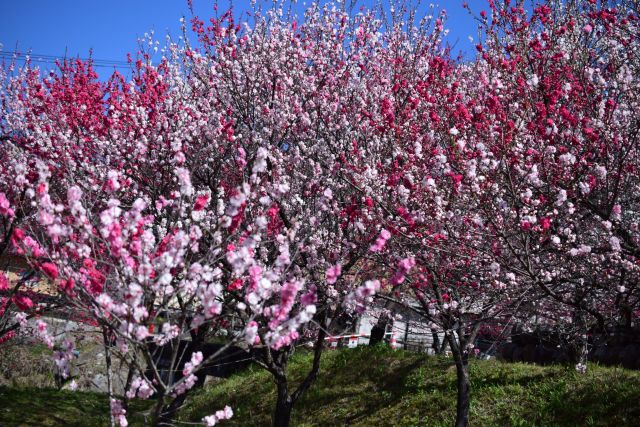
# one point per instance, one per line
(22, 302)
(4, 282)
(545, 223)
(201, 202)
(50, 270)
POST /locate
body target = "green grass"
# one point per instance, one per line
(374, 387)
(382, 387)
(52, 407)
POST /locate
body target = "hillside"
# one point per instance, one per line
(375, 387)
(378, 387)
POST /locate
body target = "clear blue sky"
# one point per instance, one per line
(111, 28)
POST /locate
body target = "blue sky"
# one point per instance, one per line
(111, 28)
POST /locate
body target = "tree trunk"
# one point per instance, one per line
(169, 411)
(107, 358)
(464, 393)
(443, 347)
(463, 384)
(436, 342)
(284, 404)
(378, 331)
(156, 416)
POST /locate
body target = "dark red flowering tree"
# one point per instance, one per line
(43, 122)
(562, 83)
(503, 180)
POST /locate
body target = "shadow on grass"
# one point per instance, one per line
(385, 391)
(52, 407)
(378, 387)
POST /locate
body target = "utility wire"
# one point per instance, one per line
(56, 57)
(52, 59)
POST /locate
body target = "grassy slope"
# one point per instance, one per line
(51, 407)
(375, 387)
(378, 387)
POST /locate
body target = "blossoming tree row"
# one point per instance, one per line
(280, 172)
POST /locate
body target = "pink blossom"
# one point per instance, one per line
(74, 194)
(310, 297)
(288, 294)
(142, 332)
(5, 206)
(184, 179)
(43, 333)
(186, 384)
(404, 266)
(22, 302)
(4, 282)
(119, 413)
(140, 387)
(359, 299)
(220, 415)
(201, 202)
(113, 183)
(251, 332)
(196, 359)
(333, 273)
(50, 270)
(381, 241)
(105, 301)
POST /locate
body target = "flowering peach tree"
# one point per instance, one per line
(195, 194)
(502, 183)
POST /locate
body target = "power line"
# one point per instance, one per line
(47, 56)
(52, 59)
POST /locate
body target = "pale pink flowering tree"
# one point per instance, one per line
(300, 87)
(73, 231)
(202, 196)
